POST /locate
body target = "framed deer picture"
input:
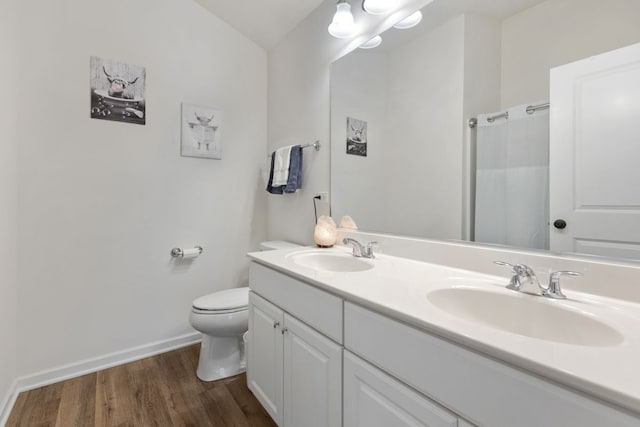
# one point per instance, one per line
(201, 132)
(117, 91)
(356, 137)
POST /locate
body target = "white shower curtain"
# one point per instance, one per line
(512, 179)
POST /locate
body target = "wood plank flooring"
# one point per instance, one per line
(159, 391)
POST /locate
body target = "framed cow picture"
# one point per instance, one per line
(117, 91)
(201, 132)
(356, 137)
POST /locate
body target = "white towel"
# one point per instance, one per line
(281, 166)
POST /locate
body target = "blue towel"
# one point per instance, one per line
(295, 170)
(294, 181)
(270, 188)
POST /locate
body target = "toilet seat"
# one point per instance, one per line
(223, 302)
(218, 312)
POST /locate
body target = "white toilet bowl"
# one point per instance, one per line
(222, 317)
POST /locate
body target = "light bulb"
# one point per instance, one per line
(342, 25)
(378, 7)
(374, 42)
(410, 21)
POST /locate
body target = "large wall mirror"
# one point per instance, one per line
(443, 130)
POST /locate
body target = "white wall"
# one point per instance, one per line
(102, 203)
(359, 90)
(8, 237)
(482, 62)
(424, 141)
(419, 96)
(299, 106)
(557, 32)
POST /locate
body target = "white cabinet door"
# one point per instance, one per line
(374, 399)
(264, 364)
(594, 152)
(312, 377)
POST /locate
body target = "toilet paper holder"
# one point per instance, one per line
(186, 253)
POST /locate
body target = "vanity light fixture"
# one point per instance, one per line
(378, 7)
(374, 42)
(410, 21)
(342, 25)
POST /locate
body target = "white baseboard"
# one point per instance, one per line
(7, 403)
(88, 366)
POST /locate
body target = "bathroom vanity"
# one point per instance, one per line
(392, 341)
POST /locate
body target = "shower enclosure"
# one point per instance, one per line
(512, 177)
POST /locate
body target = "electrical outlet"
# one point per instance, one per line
(324, 196)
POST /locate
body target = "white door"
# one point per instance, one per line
(374, 399)
(264, 356)
(595, 155)
(312, 377)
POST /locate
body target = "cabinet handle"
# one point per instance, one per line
(276, 324)
(285, 329)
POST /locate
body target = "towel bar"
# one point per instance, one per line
(315, 145)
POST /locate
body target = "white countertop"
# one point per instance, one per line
(398, 288)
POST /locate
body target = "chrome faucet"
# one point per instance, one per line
(358, 249)
(525, 280)
(553, 290)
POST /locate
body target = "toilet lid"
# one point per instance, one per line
(223, 300)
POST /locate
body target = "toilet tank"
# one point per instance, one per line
(277, 244)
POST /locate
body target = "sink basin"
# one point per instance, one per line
(327, 261)
(526, 315)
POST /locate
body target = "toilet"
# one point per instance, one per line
(223, 317)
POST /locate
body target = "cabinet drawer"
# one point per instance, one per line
(313, 306)
(374, 399)
(481, 389)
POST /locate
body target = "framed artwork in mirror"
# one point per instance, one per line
(356, 137)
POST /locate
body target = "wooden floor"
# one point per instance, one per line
(159, 391)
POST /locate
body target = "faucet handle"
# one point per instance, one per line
(518, 269)
(507, 264)
(514, 283)
(522, 274)
(554, 290)
(369, 249)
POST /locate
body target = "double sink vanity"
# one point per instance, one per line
(394, 341)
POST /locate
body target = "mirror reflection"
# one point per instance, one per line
(457, 128)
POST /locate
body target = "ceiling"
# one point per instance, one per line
(265, 22)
